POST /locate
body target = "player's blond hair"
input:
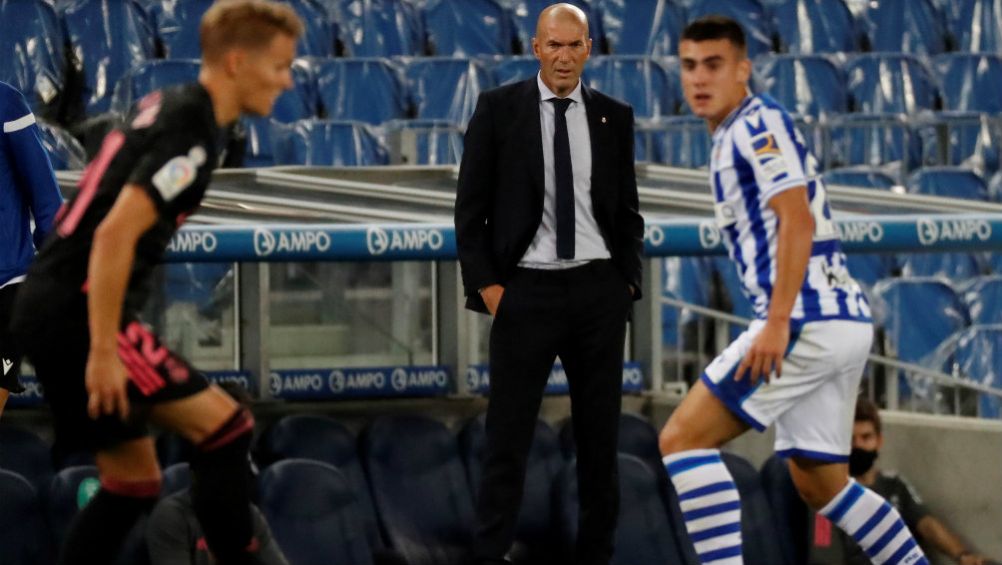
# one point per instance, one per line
(248, 24)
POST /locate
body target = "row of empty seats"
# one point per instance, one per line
(407, 485)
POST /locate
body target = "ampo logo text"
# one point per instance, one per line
(193, 242)
(931, 231)
(379, 240)
(267, 242)
(709, 234)
(654, 235)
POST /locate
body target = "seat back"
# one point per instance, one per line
(983, 297)
(644, 83)
(381, 28)
(176, 25)
(977, 26)
(24, 453)
(886, 82)
(444, 88)
(327, 143)
(32, 54)
(426, 142)
(69, 491)
(910, 26)
(642, 27)
(808, 85)
(152, 75)
(914, 332)
(970, 81)
(22, 533)
(466, 28)
(815, 26)
(368, 90)
(951, 182)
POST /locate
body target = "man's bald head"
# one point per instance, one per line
(563, 13)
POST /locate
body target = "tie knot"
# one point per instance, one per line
(561, 104)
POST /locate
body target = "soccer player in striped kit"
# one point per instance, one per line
(800, 362)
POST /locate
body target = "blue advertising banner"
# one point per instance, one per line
(32, 395)
(369, 382)
(478, 379)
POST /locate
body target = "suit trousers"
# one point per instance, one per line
(578, 314)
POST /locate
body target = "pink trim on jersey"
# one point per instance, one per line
(140, 372)
(90, 181)
(132, 489)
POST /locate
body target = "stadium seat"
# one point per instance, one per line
(968, 139)
(807, 85)
(426, 142)
(381, 28)
(506, 70)
(677, 141)
(535, 535)
(176, 25)
(983, 296)
(32, 57)
(970, 81)
(420, 489)
(760, 533)
(995, 188)
(645, 533)
(889, 82)
(319, 438)
(815, 26)
(951, 182)
(365, 89)
(467, 28)
(909, 26)
(22, 533)
(260, 150)
(870, 268)
(108, 37)
(148, 76)
(977, 356)
(525, 14)
(302, 100)
(327, 143)
(791, 514)
(444, 88)
(977, 26)
(177, 477)
(861, 176)
(320, 36)
(884, 140)
(24, 453)
(69, 491)
(313, 513)
(956, 267)
(749, 13)
(644, 83)
(641, 27)
(65, 152)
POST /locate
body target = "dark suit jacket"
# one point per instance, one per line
(499, 200)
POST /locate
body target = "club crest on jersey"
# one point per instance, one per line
(175, 176)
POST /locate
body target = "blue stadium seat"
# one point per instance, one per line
(327, 143)
(427, 142)
(995, 187)
(148, 76)
(445, 89)
(677, 141)
(815, 26)
(646, 533)
(970, 81)
(381, 28)
(420, 489)
(364, 89)
(807, 85)
(643, 82)
(749, 13)
(24, 453)
(313, 513)
(32, 55)
(996, 263)
(319, 438)
(870, 268)
(176, 25)
(506, 70)
(641, 27)
(65, 152)
(525, 14)
(320, 36)
(260, 150)
(792, 515)
(70, 490)
(301, 101)
(637, 437)
(177, 477)
(909, 26)
(861, 176)
(759, 532)
(978, 357)
(466, 28)
(889, 82)
(952, 182)
(956, 267)
(968, 139)
(884, 140)
(22, 533)
(911, 333)
(977, 26)
(535, 535)
(983, 296)
(108, 37)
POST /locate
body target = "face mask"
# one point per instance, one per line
(860, 461)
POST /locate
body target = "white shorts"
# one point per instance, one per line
(814, 402)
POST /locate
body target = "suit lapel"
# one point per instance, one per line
(597, 131)
(534, 136)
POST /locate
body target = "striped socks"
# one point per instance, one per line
(710, 504)
(875, 525)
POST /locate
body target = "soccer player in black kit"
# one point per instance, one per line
(105, 375)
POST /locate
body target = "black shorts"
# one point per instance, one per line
(10, 359)
(58, 350)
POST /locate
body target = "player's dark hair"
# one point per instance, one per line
(713, 27)
(866, 411)
(247, 24)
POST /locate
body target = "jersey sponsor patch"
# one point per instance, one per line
(175, 176)
(769, 157)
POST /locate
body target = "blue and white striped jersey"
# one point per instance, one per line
(758, 153)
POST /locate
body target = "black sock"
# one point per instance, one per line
(97, 532)
(220, 491)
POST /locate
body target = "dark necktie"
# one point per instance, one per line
(565, 180)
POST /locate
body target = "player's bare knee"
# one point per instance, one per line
(672, 439)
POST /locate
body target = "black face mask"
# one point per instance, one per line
(860, 461)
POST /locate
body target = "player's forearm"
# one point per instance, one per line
(793, 252)
(108, 275)
(940, 536)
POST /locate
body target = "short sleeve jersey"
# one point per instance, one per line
(169, 145)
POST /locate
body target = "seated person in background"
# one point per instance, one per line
(867, 440)
(174, 535)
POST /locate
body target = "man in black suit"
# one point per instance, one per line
(549, 241)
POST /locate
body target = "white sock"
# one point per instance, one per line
(710, 504)
(875, 525)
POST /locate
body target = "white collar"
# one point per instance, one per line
(546, 94)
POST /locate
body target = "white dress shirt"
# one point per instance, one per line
(588, 242)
